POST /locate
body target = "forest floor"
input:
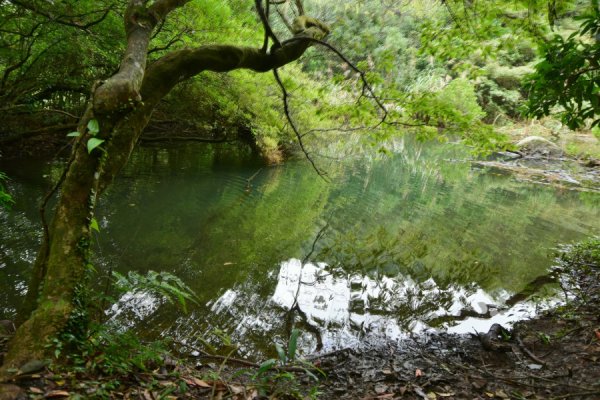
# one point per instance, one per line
(553, 356)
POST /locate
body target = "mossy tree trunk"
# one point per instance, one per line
(122, 105)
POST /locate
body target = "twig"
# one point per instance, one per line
(529, 352)
(320, 234)
(283, 18)
(205, 354)
(300, 7)
(286, 110)
(264, 18)
(366, 85)
(240, 361)
(249, 180)
(225, 359)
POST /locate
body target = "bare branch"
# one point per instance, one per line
(366, 85)
(264, 17)
(171, 42)
(300, 7)
(66, 20)
(286, 110)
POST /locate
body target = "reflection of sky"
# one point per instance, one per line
(131, 308)
(345, 309)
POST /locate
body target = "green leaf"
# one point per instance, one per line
(267, 365)
(293, 344)
(93, 126)
(280, 352)
(73, 134)
(93, 143)
(94, 225)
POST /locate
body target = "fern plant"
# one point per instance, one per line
(162, 284)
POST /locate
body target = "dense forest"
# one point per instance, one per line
(107, 90)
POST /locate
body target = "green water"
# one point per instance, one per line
(388, 247)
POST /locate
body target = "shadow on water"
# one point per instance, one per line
(393, 246)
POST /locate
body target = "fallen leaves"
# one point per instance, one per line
(193, 381)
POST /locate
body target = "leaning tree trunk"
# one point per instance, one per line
(122, 105)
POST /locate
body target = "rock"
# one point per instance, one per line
(32, 366)
(380, 388)
(11, 392)
(537, 145)
(508, 155)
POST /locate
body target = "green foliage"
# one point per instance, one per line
(583, 254)
(567, 81)
(579, 265)
(454, 110)
(93, 127)
(494, 41)
(272, 378)
(107, 352)
(35, 35)
(6, 199)
(93, 143)
(162, 284)
(496, 100)
(94, 225)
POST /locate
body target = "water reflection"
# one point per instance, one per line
(343, 309)
(393, 245)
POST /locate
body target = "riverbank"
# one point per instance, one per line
(545, 152)
(553, 356)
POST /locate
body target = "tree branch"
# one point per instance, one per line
(61, 18)
(122, 91)
(177, 66)
(366, 86)
(264, 17)
(180, 65)
(286, 110)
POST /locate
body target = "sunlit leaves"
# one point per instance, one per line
(567, 81)
(93, 143)
(94, 225)
(93, 127)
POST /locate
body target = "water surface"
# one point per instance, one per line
(392, 245)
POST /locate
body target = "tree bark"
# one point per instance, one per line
(123, 106)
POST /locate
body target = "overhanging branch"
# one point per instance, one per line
(286, 110)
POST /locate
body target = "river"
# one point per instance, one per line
(390, 246)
